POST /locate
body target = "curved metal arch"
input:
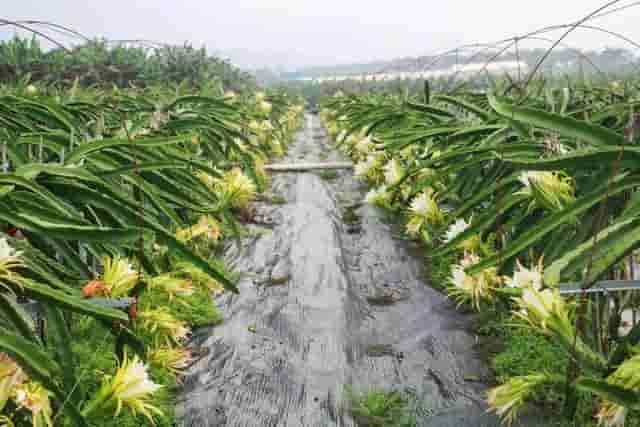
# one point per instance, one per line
(34, 31)
(152, 44)
(577, 24)
(576, 51)
(61, 29)
(569, 31)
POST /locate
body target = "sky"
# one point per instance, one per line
(298, 33)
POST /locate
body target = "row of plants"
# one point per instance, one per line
(113, 207)
(512, 192)
(103, 63)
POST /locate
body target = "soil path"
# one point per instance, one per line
(330, 299)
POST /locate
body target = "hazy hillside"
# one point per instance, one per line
(561, 60)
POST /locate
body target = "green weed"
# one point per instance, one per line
(328, 175)
(349, 215)
(380, 408)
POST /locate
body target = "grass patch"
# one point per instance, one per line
(349, 215)
(380, 350)
(384, 299)
(525, 351)
(95, 349)
(437, 270)
(328, 175)
(274, 199)
(274, 281)
(94, 346)
(277, 199)
(196, 309)
(380, 408)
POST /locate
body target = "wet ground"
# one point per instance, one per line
(329, 298)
